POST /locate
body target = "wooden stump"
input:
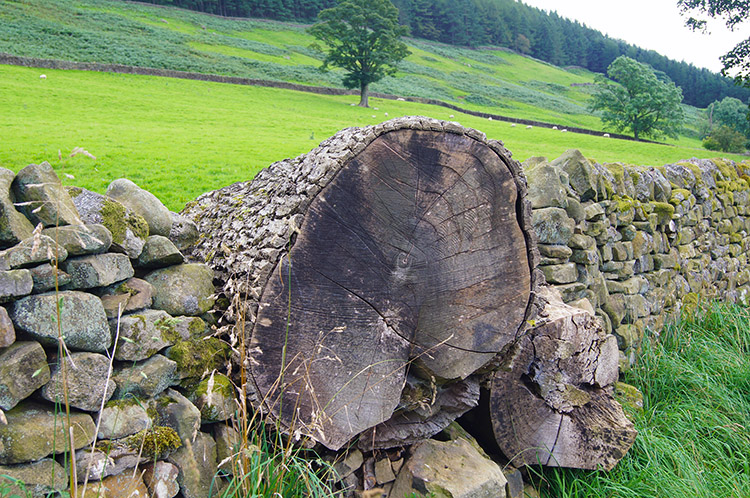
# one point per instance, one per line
(555, 406)
(400, 248)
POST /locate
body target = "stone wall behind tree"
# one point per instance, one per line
(635, 245)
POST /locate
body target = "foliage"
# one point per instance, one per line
(641, 102)
(362, 37)
(725, 139)
(693, 439)
(733, 12)
(732, 113)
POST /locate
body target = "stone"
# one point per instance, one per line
(41, 197)
(143, 334)
(128, 229)
(594, 211)
(121, 418)
(581, 173)
(514, 487)
(190, 327)
(544, 186)
(554, 251)
(7, 330)
(634, 285)
(452, 469)
(47, 277)
(98, 270)
(124, 485)
(15, 283)
(196, 461)
(144, 379)
(184, 232)
(82, 318)
(87, 376)
(197, 358)
(585, 257)
(574, 209)
(552, 225)
(383, 471)
(159, 252)
(214, 397)
(81, 239)
(35, 431)
(144, 203)
(352, 461)
(583, 304)
(23, 370)
(161, 479)
(174, 410)
(185, 289)
(42, 478)
(636, 306)
(36, 249)
(628, 335)
(614, 307)
(228, 446)
(583, 242)
(571, 292)
(14, 226)
(131, 295)
(560, 274)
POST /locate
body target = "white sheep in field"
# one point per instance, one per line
(512, 125)
(42, 76)
(528, 127)
(554, 127)
(451, 116)
(563, 130)
(386, 114)
(606, 135)
(490, 118)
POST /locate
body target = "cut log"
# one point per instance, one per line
(404, 246)
(555, 406)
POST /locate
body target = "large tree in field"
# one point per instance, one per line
(733, 12)
(647, 105)
(363, 38)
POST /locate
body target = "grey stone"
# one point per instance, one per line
(143, 334)
(560, 274)
(121, 418)
(586, 257)
(190, 327)
(158, 252)
(35, 431)
(47, 277)
(42, 198)
(214, 397)
(161, 479)
(454, 469)
(183, 289)
(144, 203)
(15, 283)
(635, 285)
(581, 173)
(552, 225)
(574, 209)
(14, 227)
(554, 251)
(184, 232)
(196, 460)
(81, 239)
(86, 375)
(132, 295)
(594, 211)
(82, 318)
(228, 446)
(41, 479)
(580, 241)
(23, 370)
(383, 471)
(7, 330)
(352, 461)
(98, 270)
(128, 229)
(628, 336)
(571, 292)
(35, 249)
(176, 411)
(636, 306)
(144, 379)
(544, 186)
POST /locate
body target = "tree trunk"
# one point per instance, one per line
(364, 95)
(555, 405)
(375, 255)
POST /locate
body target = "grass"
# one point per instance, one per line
(694, 428)
(180, 138)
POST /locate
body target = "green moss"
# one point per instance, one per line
(624, 203)
(155, 443)
(116, 218)
(695, 170)
(727, 170)
(123, 403)
(196, 327)
(167, 327)
(74, 192)
(196, 356)
(677, 193)
(222, 386)
(617, 170)
(735, 238)
(664, 211)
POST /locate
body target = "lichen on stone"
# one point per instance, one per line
(117, 219)
(155, 443)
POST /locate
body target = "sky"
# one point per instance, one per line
(651, 24)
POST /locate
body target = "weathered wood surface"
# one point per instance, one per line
(401, 246)
(555, 406)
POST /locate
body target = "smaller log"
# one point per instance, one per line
(554, 406)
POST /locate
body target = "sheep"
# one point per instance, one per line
(563, 130)
(42, 76)
(490, 118)
(512, 125)
(451, 116)
(386, 114)
(528, 127)
(401, 99)
(554, 127)
(606, 135)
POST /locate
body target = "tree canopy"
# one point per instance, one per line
(732, 113)
(733, 12)
(363, 38)
(641, 102)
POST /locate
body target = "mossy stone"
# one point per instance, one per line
(185, 289)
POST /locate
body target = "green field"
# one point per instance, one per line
(179, 138)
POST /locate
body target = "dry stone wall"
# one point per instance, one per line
(635, 245)
(102, 279)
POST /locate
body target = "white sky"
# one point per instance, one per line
(651, 24)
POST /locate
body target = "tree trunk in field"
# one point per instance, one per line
(364, 95)
(381, 278)
(554, 406)
(398, 249)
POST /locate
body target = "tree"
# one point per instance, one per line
(725, 139)
(733, 12)
(362, 37)
(732, 113)
(641, 102)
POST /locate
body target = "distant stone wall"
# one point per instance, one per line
(635, 244)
